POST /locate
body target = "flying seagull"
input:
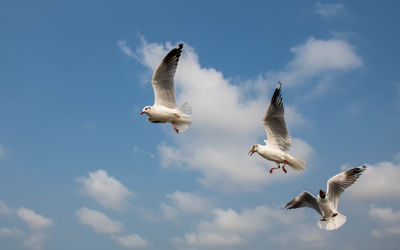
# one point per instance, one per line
(164, 108)
(278, 137)
(326, 204)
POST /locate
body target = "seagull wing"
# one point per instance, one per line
(305, 199)
(274, 122)
(338, 183)
(163, 78)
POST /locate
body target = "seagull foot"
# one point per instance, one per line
(176, 130)
(322, 219)
(334, 215)
(272, 169)
(284, 170)
(177, 116)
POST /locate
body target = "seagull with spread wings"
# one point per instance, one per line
(164, 108)
(326, 204)
(278, 137)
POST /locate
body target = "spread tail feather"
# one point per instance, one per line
(296, 164)
(332, 223)
(185, 109)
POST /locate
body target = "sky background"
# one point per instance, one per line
(81, 169)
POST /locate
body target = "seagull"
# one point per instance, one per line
(326, 204)
(278, 137)
(164, 108)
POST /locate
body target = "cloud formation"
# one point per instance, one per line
(377, 180)
(328, 10)
(185, 203)
(4, 209)
(130, 241)
(105, 189)
(388, 219)
(34, 220)
(98, 221)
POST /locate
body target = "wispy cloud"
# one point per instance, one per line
(4, 209)
(107, 190)
(130, 241)
(388, 219)
(328, 10)
(98, 221)
(185, 203)
(10, 232)
(122, 44)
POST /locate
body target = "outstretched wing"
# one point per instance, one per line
(274, 122)
(163, 78)
(338, 183)
(305, 199)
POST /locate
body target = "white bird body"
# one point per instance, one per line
(164, 108)
(272, 154)
(326, 204)
(278, 137)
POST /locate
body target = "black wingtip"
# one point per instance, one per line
(278, 86)
(180, 46)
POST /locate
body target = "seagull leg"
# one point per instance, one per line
(177, 116)
(334, 215)
(272, 169)
(283, 167)
(176, 130)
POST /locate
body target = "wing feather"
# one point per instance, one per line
(163, 78)
(305, 199)
(338, 183)
(274, 122)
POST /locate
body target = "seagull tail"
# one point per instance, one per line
(296, 164)
(186, 110)
(332, 223)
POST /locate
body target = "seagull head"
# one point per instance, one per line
(145, 110)
(253, 149)
(322, 194)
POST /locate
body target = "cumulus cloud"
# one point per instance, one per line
(34, 220)
(230, 228)
(328, 10)
(98, 221)
(389, 220)
(108, 191)
(185, 203)
(227, 122)
(10, 232)
(316, 58)
(379, 181)
(130, 241)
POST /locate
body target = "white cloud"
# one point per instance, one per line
(36, 240)
(108, 191)
(4, 209)
(122, 44)
(386, 215)
(34, 220)
(379, 181)
(389, 220)
(317, 58)
(98, 221)
(131, 241)
(10, 232)
(183, 202)
(328, 10)
(230, 228)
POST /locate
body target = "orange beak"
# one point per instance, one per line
(251, 152)
(142, 112)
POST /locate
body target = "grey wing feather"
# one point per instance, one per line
(163, 78)
(338, 183)
(305, 199)
(274, 122)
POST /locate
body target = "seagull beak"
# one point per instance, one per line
(142, 112)
(251, 152)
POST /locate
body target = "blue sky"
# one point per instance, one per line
(81, 169)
